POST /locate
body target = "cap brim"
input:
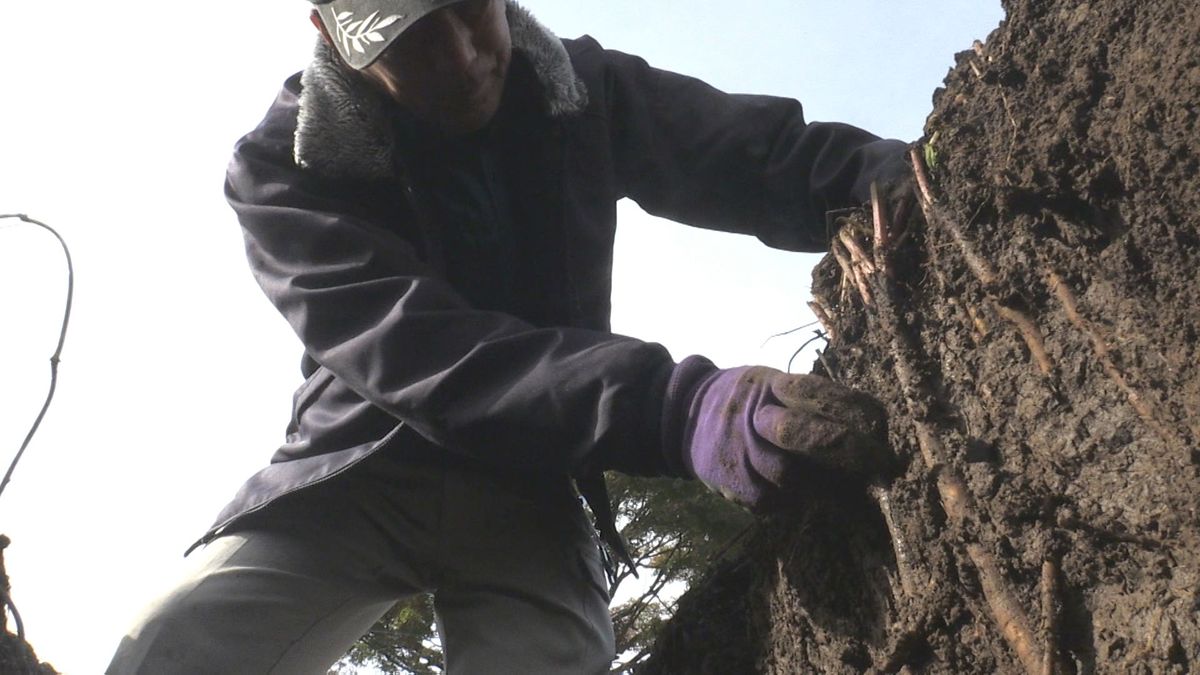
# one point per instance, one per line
(363, 29)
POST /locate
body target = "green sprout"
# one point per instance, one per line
(931, 155)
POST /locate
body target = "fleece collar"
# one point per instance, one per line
(343, 129)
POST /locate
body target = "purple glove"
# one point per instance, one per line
(748, 432)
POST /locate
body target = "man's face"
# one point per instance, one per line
(449, 68)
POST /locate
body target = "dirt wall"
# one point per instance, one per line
(1034, 337)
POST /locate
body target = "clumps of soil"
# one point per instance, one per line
(16, 656)
(1034, 339)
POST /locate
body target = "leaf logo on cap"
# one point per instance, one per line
(356, 33)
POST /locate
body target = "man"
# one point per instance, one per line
(431, 205)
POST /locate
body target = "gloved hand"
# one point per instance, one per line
(748, 432)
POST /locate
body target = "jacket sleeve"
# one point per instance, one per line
(740, 163)
(480, 383)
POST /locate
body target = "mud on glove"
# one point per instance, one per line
(748, 432)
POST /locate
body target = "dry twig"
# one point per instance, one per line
(956, 499)
(922, 176)
(839, 254)
(1104, 353)
(1007, 610)
(899, 544)
(882, 242)
(850, 271)
(880, 493)
(987, 276)
(858, 255)
(979, 323)
(823, 316)
(981, 268)
(1032, 335)
(960, 508)
(978, 47)
(1051, 616)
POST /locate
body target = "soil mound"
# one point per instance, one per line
(1034, 338)
(16, 656)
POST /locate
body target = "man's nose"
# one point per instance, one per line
(457, 43)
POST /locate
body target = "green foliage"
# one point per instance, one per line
(403, 641)
(675, 529)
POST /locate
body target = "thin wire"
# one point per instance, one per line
(817, 335)
(789, 332)
(54, 360)
(12, 607)
(62, 337)
(4, 596)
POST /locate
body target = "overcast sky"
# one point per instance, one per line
(175, 385)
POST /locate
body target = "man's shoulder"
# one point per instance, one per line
(275, 133)
(590, 57)
(582, 46)
(592, 61)
(586, 52)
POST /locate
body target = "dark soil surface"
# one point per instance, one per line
(16, 656)
(1036, 347)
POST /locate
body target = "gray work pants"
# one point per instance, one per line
(517, 579)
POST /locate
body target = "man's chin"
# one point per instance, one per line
(466, 122)
(463, 127)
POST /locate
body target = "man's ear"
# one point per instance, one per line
(315, 18)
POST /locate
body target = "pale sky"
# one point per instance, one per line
(177, 375)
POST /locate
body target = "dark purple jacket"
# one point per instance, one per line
(343, 244)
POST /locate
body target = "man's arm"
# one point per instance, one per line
(739, 163)
(486, 384)
(482, 383)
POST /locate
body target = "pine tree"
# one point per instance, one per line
(675, 529)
